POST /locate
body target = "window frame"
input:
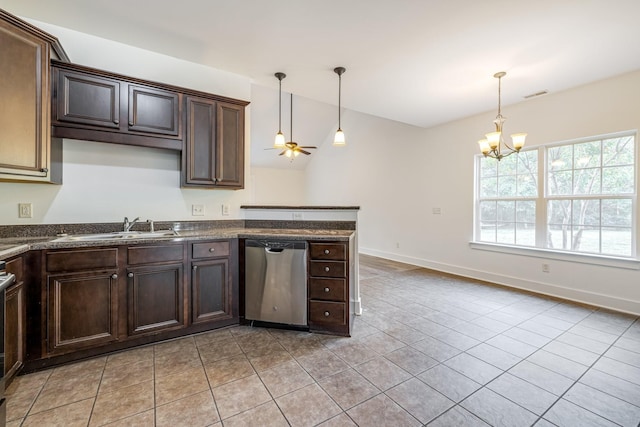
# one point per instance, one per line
(543, 197)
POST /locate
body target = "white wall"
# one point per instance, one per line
(277, 186)
(398, 173)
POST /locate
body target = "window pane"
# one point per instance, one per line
(559, 212)
(560, 183)
(558, 236)
(617, 212)
(560, 158)
(488, 167)
(616, 241)
(585, 239)
(488, 211)
(488, 232)
(506, 233)
(507, 166)
(618, 151)
(526, 234)
(526, 211)
(489, 187)
(587, 181)
(586, 212)
(586, 155)
(617, 180)
(507, 211)
(507, 186)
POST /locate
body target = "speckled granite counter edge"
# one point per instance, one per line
(21, 245)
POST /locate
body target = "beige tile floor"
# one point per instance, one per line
(428, 349)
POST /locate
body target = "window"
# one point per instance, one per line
(577, 196)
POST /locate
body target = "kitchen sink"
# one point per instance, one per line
(119, 235)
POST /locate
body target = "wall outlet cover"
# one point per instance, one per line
(225, 209)
(25, 210)
(197, 210)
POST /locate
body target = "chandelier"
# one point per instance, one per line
(493, 145)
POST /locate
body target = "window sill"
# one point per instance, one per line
(607, 261)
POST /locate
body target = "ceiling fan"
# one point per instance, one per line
(291, 148)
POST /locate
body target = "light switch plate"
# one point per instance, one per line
(225, 209)
(197, 210)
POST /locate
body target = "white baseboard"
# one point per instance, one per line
(585, 297)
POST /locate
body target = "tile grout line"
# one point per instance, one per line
(583, 374)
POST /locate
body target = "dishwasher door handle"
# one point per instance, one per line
(274, 250)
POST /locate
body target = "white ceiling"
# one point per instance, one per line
(422, 62)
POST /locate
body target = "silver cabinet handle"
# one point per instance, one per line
(114, 276)
(327, 289)
(212, 249)
(130, 275)
(195, 267)
(327, 314)
(326, 251)
(326, 269)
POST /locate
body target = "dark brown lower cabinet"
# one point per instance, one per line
(210, 290)
(14, 321)
(14, 334)
(82, 310)
(155, 295)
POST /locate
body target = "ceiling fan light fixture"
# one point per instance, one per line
(280, 139)
(339, 139)
(494, 146)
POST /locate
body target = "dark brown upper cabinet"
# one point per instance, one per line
(95, 105)
(27, 151)
(214, 149)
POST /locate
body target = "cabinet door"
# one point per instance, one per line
(24, 104)
(14, 335)
(154, 111)
(87, 99)
(230, 146)
(210, 290)
(199, 160)
(82, 310)
(155, 295)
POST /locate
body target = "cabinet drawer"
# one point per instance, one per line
(210, 249)
(329, 251)
(151, 254)
(328, 289)
(74, 260)
(328, 312)
(328, 268)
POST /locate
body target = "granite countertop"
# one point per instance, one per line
(13, 246)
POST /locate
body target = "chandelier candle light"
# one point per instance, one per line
(339, 139)
(492, 145)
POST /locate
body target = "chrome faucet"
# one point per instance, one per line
(127, 225)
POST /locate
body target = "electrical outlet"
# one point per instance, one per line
(25, 210)
(298, 216)
(545, 268)
(436, 211)
(197, 210)
(225, 209)
(397, 245)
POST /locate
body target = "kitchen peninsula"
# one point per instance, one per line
(86, 292)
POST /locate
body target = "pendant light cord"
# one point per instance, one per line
(339, 99)
(291, 116)
(280, 108)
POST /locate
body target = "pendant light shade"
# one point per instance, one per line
(280, 140)
(339, 139)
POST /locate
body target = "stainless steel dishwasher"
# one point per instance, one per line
(276, 281)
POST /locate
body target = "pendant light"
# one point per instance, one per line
(339, 139)
(280, 140)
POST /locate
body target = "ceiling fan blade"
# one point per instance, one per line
(282, 154)
(303, 151)
(308, 147)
